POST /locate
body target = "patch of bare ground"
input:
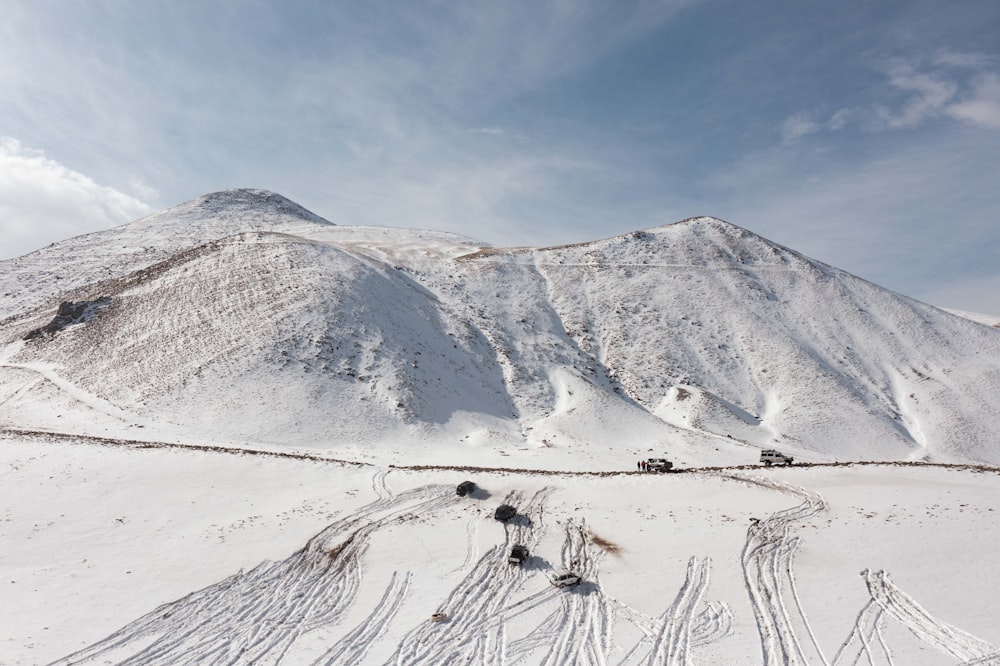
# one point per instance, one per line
(335, 552)
(492, 252)
(605, 545)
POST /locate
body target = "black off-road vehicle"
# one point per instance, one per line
(658, 465)
(505, 512)
(518, 554)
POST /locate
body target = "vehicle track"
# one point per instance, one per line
(352, 648)
(865, 629)
(475, 630)
(274, 604)
(257, 616)
(672, 644)
(382, 491)
(579, 631)
(767, 571)
(276, 452)
(471, 542)
(888, 599)
(712, 624)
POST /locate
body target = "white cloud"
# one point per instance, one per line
(42, 201)
(840, 119)
(929, 94)
(798, 126)
(948, 85)
(964, 60)
(143, 189)
(801, 124)
(982, 105)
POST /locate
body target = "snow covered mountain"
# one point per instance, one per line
(369, 370)
(242, 317)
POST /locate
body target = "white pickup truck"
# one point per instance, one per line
(565, 579)
(770, 456)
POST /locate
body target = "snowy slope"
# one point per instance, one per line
(250, 319)
(231, 433)
(40, 276)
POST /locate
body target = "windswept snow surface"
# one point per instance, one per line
(230, 433)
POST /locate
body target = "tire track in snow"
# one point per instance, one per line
(767, 571)
(382, 491)
(351, 649)
(713, 623)
(863, 632)
(724, 471)
(680, 627)
(474, 631)
(257, 616)
(887, 598)
(672, 644)
(471, 542)
(579, 631)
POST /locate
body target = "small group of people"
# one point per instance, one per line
(642, 465)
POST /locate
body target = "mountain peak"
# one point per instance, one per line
(246, 201)
(707, 225)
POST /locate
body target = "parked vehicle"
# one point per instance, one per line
(518, 554)
(565, 579)
(465, 488)
(770, 456)
(658, 465)
(504, 513)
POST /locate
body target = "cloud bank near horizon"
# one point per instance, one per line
(42, 201)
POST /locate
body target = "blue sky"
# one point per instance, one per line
(863, 134)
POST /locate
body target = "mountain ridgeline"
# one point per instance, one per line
(241, 316)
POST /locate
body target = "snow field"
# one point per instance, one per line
(94, 539)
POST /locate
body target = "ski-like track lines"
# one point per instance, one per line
(579, 631)
(888, 600)
(475, 631)
(767, 571)
(258, 615)
(672, 644)
(352, 648)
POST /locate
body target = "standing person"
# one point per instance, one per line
(638, 465)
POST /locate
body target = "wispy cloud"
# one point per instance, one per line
(143, 189)
(40, 197)
(981, 104)
(962, 59)
(926, 95)
(801, 124)
(960, 86)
